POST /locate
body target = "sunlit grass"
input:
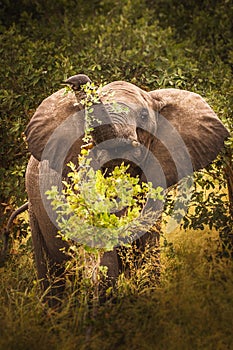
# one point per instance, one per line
(190, 307)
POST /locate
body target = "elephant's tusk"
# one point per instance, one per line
(88, 146)
(135, 143)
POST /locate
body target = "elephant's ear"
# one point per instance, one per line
(48, 116)
(194, 121)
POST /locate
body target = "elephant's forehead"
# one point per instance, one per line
(127, 93)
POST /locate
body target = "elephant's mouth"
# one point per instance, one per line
(133, 169)
(111, 153)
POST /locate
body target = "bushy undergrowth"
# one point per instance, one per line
(42, 43)
(143, 42)
(139, 41)
(189, 308)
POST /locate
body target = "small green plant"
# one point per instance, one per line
(101, 211)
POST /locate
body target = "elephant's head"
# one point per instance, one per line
(164, 134)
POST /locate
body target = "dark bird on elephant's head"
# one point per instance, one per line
(76, 81)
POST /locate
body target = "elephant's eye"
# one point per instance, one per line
(144, 114)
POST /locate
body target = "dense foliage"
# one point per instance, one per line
(152, 44)
(89, 206)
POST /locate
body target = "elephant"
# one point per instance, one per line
(164, 135)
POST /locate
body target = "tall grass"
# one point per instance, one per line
(191, 306)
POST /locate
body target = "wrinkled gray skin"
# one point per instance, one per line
(193, 119)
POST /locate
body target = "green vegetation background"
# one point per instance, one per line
(154, 44)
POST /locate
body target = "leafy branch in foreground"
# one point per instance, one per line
(101, 211)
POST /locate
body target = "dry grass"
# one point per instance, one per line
(190, 308)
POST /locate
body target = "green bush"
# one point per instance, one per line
(154, 45)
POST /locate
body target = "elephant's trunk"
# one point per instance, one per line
(124, 120)
(115, 138)
(107, 124)
(101, 123)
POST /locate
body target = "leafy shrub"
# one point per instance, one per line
(89, 206)
(154, 45)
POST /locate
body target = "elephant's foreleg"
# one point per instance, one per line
(50, 273)
(110, 260)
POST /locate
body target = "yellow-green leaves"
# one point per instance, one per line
(98, 210)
